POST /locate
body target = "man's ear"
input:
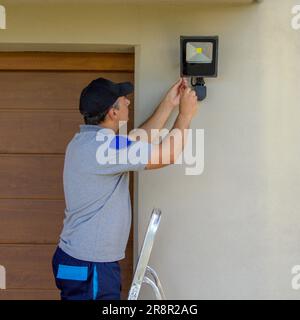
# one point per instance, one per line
(112, 113)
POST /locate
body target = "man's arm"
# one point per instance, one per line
(169, 149)
(156, 121)
(161, 114)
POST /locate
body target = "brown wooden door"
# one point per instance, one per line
(39, 94)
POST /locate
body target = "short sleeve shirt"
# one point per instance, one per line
(96, 188)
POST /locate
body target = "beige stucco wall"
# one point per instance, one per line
(232, 232)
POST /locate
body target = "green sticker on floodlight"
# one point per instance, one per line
(199, 52)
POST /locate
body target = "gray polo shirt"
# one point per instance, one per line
(96, 187)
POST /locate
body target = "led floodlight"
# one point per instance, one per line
(199, 59)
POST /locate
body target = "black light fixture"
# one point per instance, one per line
(199, 59)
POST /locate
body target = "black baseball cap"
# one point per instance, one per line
(100, 94)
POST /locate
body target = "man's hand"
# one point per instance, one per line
(172, 97)
(161, 114)
(188, 103)
(167, 151)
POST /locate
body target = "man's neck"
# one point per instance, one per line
(111, 126)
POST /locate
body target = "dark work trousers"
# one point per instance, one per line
(86, 280)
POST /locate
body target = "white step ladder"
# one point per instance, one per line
(142, 269)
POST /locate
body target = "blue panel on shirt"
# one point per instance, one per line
(120, 142)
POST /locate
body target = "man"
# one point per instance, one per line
(98, 210)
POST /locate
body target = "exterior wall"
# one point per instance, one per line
(232, 232)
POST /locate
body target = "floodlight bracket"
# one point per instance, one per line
(198, 85)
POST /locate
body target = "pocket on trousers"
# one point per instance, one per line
(74, 282)
(67, 272)
(116, 269)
